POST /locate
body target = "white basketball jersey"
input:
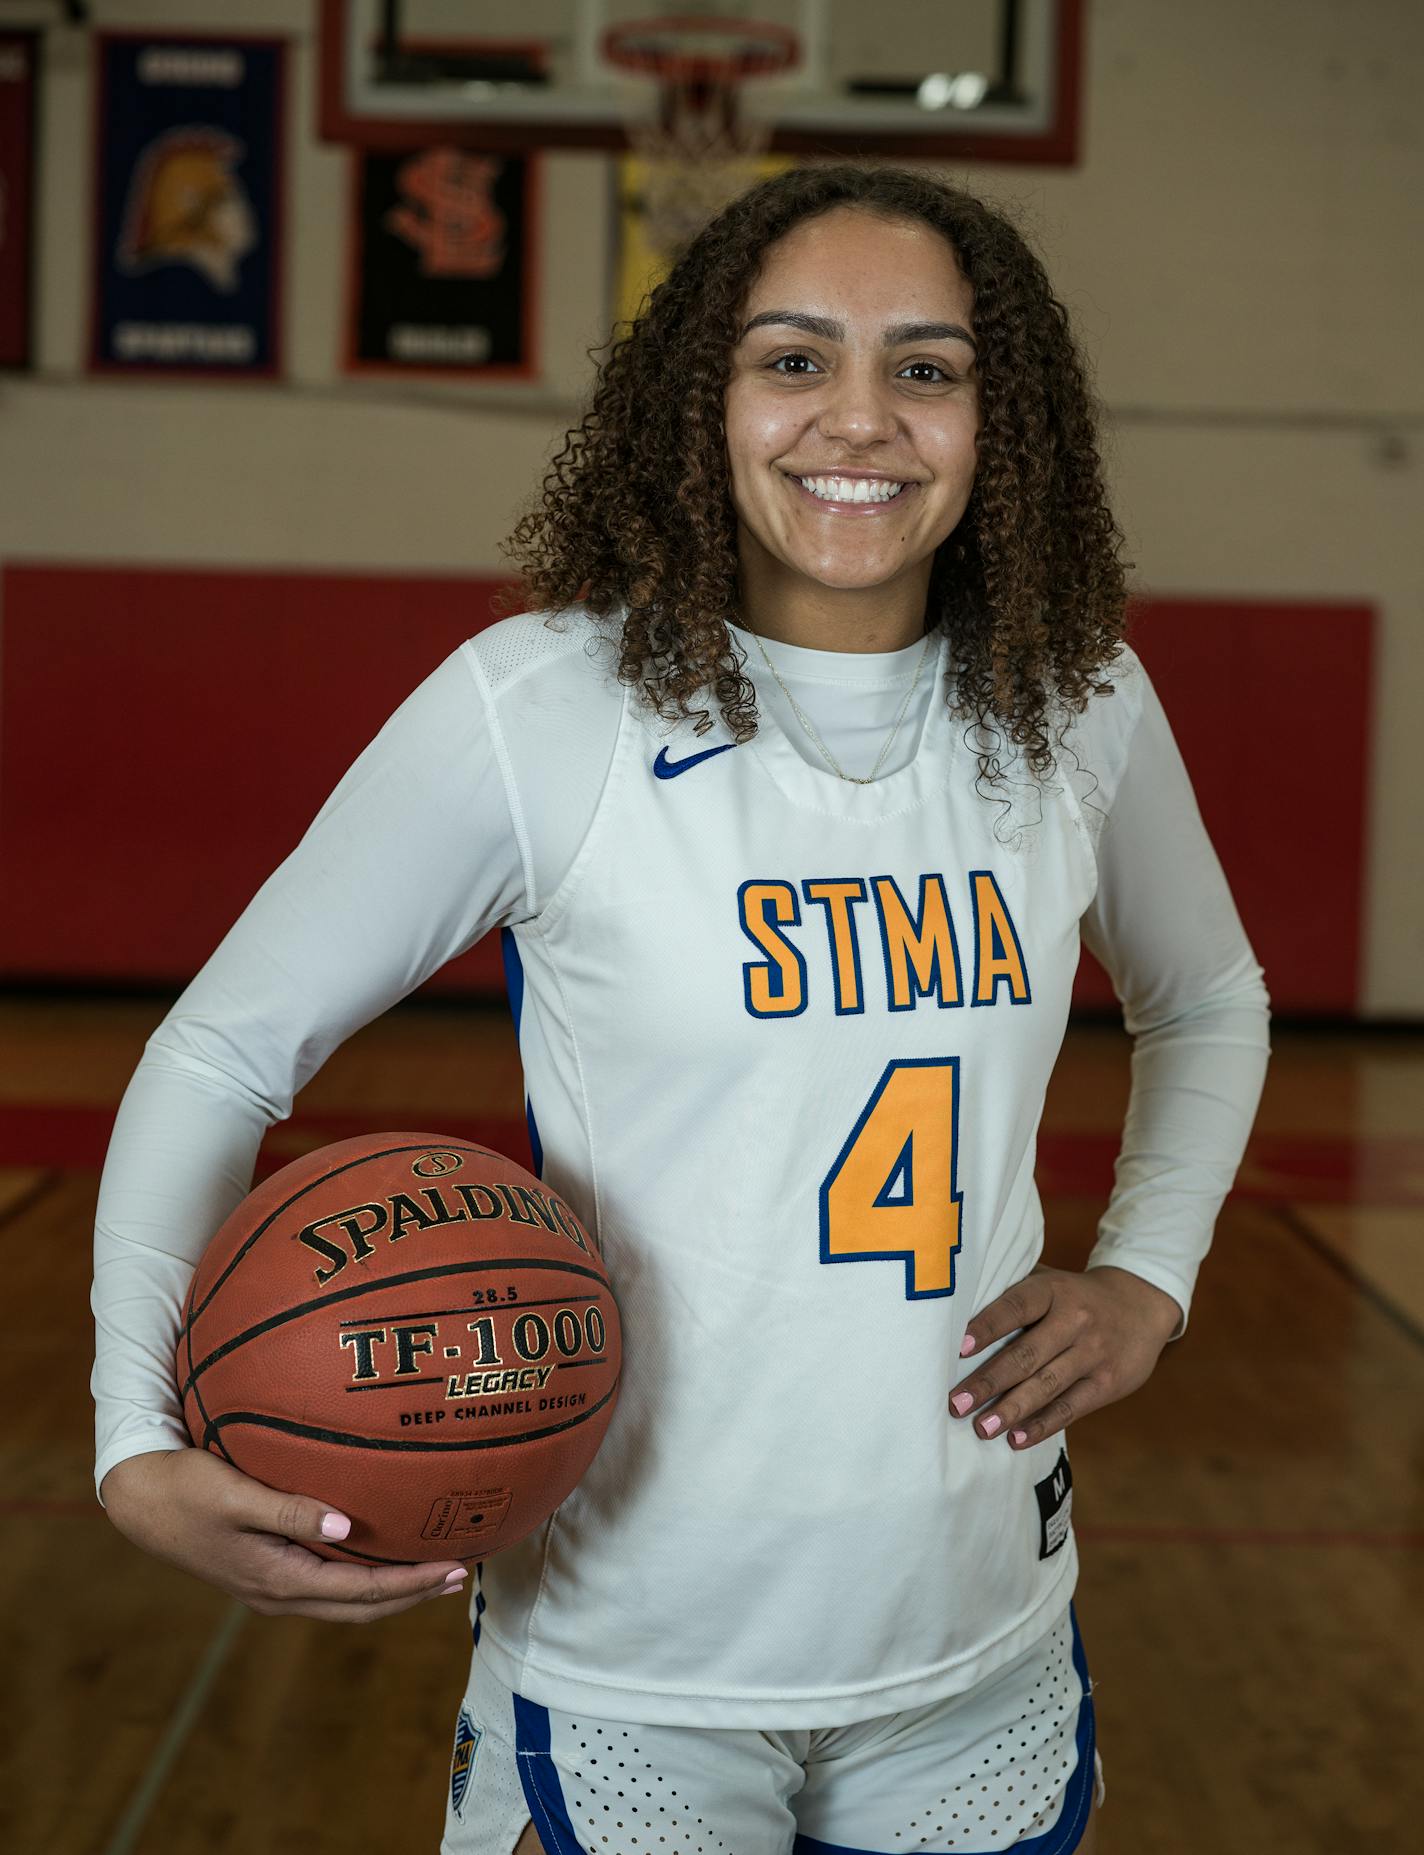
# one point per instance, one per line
(785, 1041)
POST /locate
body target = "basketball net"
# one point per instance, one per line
(694, 161)
(698, 152)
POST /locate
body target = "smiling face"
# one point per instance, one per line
(854, 374)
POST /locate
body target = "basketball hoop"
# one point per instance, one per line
(698, 151)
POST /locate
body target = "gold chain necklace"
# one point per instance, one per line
(805, 722)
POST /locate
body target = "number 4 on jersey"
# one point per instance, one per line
(891, 1193)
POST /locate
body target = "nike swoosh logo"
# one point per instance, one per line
(669, 769)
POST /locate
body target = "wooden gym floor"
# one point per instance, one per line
(1250, 1522)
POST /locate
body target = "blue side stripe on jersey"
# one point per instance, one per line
(540, 1778)
(513, 974)
(514, 985)
(1067, 1832)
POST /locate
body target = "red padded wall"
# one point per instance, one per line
(1270, 704)
(166, 735)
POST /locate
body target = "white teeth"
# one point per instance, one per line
(851, 489)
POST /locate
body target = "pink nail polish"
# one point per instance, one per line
(1018, 1437)
(451, 1590)
(961, 1402)
(454, 1580)
(968, 1345)
(335, 1526)
(991, 1424)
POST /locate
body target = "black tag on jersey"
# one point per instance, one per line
(1055, 1506)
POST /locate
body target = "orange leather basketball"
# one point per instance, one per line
(413, 1329)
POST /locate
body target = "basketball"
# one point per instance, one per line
(412, 1328)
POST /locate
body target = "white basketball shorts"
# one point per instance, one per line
(1008, 1764)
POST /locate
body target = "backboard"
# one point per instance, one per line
(954, 79)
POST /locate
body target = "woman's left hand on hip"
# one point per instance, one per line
(1088, 1338)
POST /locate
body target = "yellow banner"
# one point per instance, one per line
(641, 262)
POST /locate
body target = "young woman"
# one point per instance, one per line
(794, 795)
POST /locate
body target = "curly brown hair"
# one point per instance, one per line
(635, 511)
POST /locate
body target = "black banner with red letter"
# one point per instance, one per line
(443, 242)
(19, 53)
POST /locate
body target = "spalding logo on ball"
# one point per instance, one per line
(412, 1328)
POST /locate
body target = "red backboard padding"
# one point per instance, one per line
(166, 736)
